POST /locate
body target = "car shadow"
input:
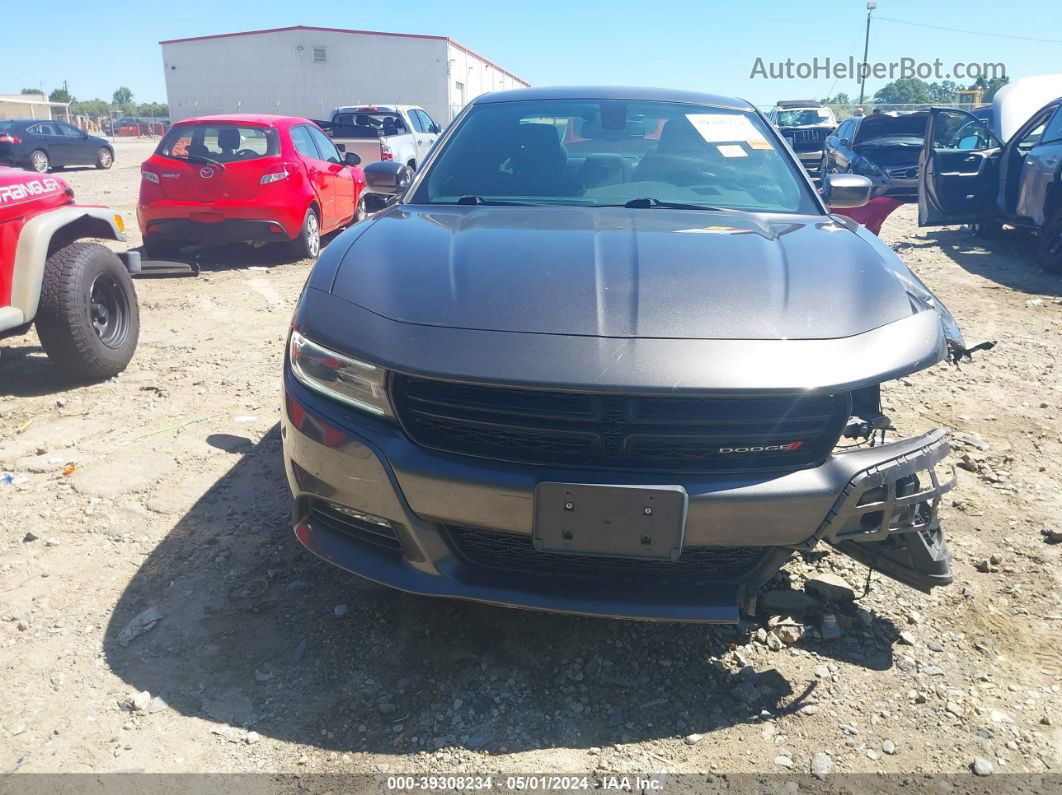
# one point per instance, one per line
(26, 371)
(238, 256)
(1008, 259)
(257, 633)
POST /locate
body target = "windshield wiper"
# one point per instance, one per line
(479, 200)
(647, 202)
(200, 159)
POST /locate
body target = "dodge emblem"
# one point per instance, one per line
(206, 172)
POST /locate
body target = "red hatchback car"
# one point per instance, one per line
(247, 178)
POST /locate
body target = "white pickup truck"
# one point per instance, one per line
(403, 133)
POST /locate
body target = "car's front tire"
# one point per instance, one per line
(88, 319)
(39, 161)
(360, 212)
(307, 244)
(104, 158)
(1049, 248)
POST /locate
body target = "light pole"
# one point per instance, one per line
(871, 5)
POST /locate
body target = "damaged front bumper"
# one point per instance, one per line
(369, 500)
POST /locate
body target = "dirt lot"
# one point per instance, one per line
(179, 503)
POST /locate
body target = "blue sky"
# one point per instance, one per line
(703, 45)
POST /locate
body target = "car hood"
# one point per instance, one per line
(614, 272)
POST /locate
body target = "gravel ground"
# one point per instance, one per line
(254, 656)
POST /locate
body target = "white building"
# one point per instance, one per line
(31, 106)
(307, 71)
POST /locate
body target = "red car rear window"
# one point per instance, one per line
(226, 143)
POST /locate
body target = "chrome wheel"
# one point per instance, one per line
(360, 213)
(104, 159)
(39, 162)
(313, 235)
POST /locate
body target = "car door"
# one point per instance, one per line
(1040, 169)
(342, 178)
(958, 169)
(51, 142)
(322, 178)
(426, 140)
(80, 151)
(842, 151)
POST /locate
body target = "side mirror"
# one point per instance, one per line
(387, 177)
(846, 190)
(352, 159)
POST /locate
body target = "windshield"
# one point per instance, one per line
(610, 152)
(369, 125)
(222, 143)
(801, 118)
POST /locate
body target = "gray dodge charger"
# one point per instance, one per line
(608, 352)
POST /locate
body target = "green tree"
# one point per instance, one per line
(905, 91)
(32, 91)
(122, 96)
(61, 95)
(90, 107)
(943, 93)
(837, 99)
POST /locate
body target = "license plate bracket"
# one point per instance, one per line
(614, 521)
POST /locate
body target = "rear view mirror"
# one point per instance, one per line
(352, 159)
(846, 190)
(387, 177)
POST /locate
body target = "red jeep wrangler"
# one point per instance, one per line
(79, 294)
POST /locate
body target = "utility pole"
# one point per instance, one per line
(871, 5)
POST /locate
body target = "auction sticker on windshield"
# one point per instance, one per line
(718, 128)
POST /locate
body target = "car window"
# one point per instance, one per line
(426, 121)
(844, 132)
(300, 137)
(67, 130)
(798, 118)
(1032, 138)
(324, 146)
(44, 128)
(226, 143)
(416, 121)
(1053, 133)
(609, 152)
(370, 124)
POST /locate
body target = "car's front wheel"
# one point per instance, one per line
(360, 213)
(1049, 249)
(39, 161)
(88, 319)
(104, 158)
(307, 244)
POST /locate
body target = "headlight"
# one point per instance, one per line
(867, 167)
(340, 377)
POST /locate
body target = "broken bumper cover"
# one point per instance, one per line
(370, 501)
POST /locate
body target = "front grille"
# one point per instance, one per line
(569, 429)
(717, 565)
(908, 172)
(806, 140)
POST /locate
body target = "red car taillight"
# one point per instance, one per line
(8, 138)
(386, 153)
(276, 175)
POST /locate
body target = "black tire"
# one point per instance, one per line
(307, 244)
(88, 319)
(986, 230)
(39, 161)
(104, 158)
(1049, 248)
(160, 249)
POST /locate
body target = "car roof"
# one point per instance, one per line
(793, 104)
(247, 118)
(613, 92)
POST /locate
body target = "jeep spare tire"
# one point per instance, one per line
(88, 320)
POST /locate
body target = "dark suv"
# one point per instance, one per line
(632, 382)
